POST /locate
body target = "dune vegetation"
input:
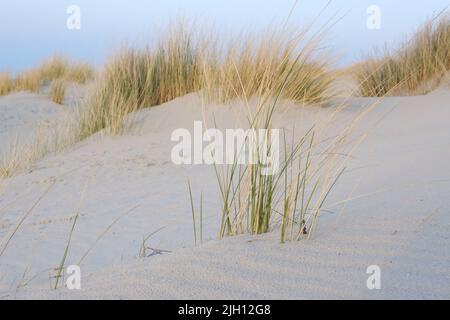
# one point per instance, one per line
(289, 199)
(278, 60)
(186, 61)
(5, 83)
(137, 78)
(20, 154)
(417, 67)
(27, 81)
(271, 66)
(58, 90)
(61, 68)
(54, 69)
(56, 73)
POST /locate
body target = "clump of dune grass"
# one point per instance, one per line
(10, 160)
(137, 78)
(6, 84)
(79, 73)
(55, 70)
(58, 90)
(424, 58)
(256, 65)
(58, 68)
(291, 198)
(52, 69)
(28, 81)
(103, 110)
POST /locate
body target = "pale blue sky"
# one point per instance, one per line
(31, 30)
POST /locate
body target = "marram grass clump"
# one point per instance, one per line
(416, 68)
(289, 197)
(256, 65)
(58, 90)
(52, 70)
(79, 73)
(138, 78)
(28, 81)
(6, 84)
(58, 68)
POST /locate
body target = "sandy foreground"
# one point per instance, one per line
(391, 209)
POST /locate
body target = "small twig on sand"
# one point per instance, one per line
(154, 252)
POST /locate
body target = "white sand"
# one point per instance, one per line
(23, 115)
(391, 209)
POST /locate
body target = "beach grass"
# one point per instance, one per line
(187, 61)
(21, 154)
(29, 81)
(57, 68)
(416, 67)
(79, 72)
(290, 198)
(256, 64)
(137, 78)
(58, 90)
(51, 70)
(6, 83)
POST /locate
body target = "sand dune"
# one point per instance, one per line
(391, 208)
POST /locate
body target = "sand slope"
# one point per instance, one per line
(23, 114)
(390, 209)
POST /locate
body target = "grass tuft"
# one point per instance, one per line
(6, 84)
(28, 81)
(58, 90)
(79, 73)
(291, 198)
(52, 69)
(58, 68)
(138, 78)
(257, 65)
(416, 68)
